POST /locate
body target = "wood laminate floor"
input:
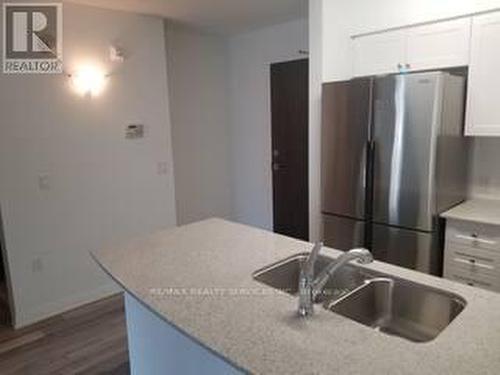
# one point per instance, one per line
(89, 340)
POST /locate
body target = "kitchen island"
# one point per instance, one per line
(193, 306)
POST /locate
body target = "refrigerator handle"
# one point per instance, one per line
(370, 167)
(370, 162)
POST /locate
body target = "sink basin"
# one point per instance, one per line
(401, 308)
(284, 275)
(387, 304)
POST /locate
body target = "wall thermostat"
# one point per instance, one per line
(134, 131)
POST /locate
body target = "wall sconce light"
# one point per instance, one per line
(89, 81)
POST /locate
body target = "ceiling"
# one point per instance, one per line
(225, 17)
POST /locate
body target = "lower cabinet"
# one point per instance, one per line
(156, 347)
(472, 254)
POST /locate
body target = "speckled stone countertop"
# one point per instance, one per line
(485, 211)
(262, 334)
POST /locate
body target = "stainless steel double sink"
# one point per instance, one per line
(385, 303)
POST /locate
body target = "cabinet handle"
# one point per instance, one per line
(474, 237)
(468, 255)
(471, 282)
(472, 262)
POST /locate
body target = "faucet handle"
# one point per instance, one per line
(364, 256)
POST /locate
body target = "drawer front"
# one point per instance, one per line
(469, 278)
(472, 259)
(472, 235)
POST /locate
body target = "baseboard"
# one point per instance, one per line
(59, 307)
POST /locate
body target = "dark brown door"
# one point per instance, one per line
(290, 118)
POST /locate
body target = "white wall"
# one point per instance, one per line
(485, 171)
(315, 80)
(198, 85)
(103, 188)
(336, 18)
(250, 57)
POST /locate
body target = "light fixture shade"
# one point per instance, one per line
(89, 80)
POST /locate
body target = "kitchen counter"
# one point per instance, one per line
(484, 211)
(259, 332)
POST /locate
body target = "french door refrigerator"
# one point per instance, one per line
(393, 159)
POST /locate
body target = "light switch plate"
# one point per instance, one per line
(162, 168)
(44, 182)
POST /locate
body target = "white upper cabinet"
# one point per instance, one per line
(483, 105)
(379, 53)
(439, 45)
(433, 46)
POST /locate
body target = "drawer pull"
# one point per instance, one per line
(475, 238)
(471, 281)
(468, 256)
(473, 263)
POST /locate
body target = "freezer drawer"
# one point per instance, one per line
(406, 248)
(343, 233)
(345, 135)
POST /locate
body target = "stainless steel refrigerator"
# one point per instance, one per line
(393, 158)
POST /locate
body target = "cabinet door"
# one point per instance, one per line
(483, 109)
(379, 53)
(440, 45)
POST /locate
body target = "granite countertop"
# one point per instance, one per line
(262, 334)
(485, 211)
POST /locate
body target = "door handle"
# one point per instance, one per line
(277, 166)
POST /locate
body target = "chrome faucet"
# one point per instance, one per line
(310, 287)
